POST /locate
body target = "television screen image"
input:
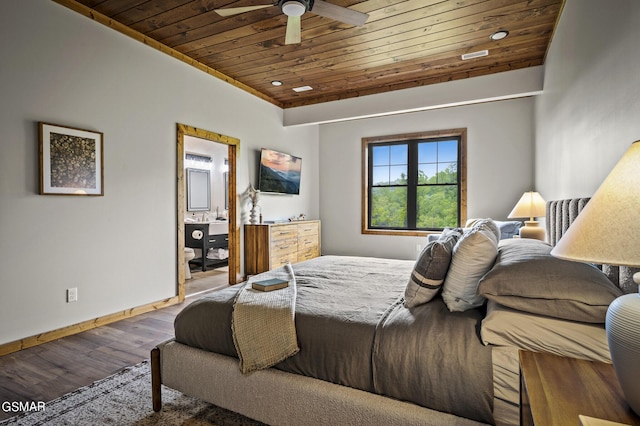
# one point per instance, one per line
(279, 172)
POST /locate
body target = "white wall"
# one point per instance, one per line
(294, 141)
(118, 250)
(519, 83)
(500, 168)
(589, 113)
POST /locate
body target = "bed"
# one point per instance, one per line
(384, 341)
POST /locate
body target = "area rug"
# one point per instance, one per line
(125, 399)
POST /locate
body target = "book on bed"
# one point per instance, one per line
(270, 284)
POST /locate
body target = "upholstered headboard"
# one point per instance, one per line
(561, 214)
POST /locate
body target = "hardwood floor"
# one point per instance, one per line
(207, 280)
(50, 370)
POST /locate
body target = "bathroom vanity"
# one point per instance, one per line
(205, 236)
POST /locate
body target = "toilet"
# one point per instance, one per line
(189, 254)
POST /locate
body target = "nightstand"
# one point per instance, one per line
(555, 390)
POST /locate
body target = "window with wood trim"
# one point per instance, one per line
(414, 183)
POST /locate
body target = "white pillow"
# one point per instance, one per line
(473, 256)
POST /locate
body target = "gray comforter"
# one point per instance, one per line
(354, 330)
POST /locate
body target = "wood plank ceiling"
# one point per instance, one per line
(403, 44)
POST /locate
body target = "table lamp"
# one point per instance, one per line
(530, 205)
(607, 231)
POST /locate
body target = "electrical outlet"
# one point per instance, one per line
(72, 294)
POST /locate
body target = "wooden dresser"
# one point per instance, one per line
(268, 246)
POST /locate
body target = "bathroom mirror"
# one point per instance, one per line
(198, 190)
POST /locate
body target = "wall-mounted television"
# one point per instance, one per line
(279, 172)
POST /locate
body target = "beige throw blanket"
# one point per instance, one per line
(263, 324)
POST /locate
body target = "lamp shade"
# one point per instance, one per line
(530, 205)
(607, 230)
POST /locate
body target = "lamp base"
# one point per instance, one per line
(622, 324)
(531, 229)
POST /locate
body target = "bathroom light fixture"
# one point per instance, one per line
(276, 83)
(499, 35)
(197, 161)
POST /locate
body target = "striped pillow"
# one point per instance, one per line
(430, 270)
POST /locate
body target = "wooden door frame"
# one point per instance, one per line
(234, 231)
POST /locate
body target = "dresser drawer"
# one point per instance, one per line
(306, 229)
(307, 242)
(278, 261)
(282, 247)
(283, 233)
(308, 254)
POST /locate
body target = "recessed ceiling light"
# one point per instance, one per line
(302, 88)
(276, 83)
(499, 35)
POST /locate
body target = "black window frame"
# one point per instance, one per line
(412, 141)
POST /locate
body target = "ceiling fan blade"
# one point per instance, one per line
(293, 30)
(237, 10)
(339, 13)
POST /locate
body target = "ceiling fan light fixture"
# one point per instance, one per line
(293, 8)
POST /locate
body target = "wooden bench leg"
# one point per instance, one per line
(156, 380)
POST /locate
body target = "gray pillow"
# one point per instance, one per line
(430, 269)
(504, 326)
(473, 256)
(526, 277)
(447, 232)
(509, 228)
(486, 223)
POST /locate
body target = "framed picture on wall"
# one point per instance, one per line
(71, 161)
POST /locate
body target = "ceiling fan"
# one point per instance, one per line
(294, 9)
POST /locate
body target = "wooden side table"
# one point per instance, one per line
(555, 390)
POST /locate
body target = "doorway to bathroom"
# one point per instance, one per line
(208, 237)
